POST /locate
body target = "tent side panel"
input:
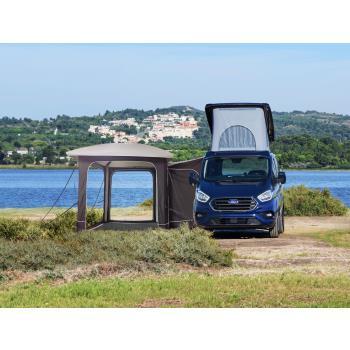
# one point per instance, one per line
(181, 193)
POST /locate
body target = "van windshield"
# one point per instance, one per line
(235, 169)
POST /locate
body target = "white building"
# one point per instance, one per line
(157, 126)
(22, 151)
(128, 122)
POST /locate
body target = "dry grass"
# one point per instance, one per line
(29, 213)
(137, 213)
(132, 213)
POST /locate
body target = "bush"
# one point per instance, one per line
(19, 229)
(93, 217)
(131, 249)
(61, 225)
(56, 228)
(147, 203)
(302, 201)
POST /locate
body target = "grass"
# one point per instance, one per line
(187, 290)
(303, 201)
(335, 238)
(133, 249)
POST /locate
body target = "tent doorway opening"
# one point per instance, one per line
(133, 195)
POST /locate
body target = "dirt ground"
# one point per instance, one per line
(291, 251)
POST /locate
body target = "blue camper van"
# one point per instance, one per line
(240, 185)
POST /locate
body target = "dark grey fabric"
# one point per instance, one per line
(159, 164)
(174, 195)
(181, 193)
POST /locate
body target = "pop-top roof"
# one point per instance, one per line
(240, 126)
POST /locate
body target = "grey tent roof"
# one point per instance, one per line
(125, 164)
(120, 150)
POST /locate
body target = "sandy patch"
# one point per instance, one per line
(291, 251)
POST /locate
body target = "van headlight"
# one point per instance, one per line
(265, 196)
(202, 197)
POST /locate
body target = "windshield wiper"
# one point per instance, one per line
(239, 180)
(229, 180)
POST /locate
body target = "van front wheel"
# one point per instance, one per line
(274, 232)
(281, 221)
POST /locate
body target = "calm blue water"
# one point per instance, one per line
(40, 188)
(337, 181)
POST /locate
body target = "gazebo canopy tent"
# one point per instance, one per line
(173, 196)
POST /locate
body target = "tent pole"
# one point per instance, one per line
(81, 216)
(162, 192)
(106, 197)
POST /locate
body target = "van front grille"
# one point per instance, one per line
(236, 221)
(234, 204)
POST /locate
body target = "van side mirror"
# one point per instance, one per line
(282, 177)
(193, 178)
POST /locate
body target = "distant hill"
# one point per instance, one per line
(327, 141)
(312, 123)
(297, 123)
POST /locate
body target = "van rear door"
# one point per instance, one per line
(240, 126)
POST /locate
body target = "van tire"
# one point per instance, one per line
(281, 221)
(275, 231)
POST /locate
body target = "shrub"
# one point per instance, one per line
(12, 228)
(56, 228)
(61, 225)
(19, 229)
(131, 249)
(302, 201)
(147, 203)
(93, 216)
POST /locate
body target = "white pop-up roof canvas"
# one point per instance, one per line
(237, 128)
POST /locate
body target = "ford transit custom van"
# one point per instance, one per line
(240, 185)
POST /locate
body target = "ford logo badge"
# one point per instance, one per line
(233, 201)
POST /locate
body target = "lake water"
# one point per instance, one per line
(40, 188)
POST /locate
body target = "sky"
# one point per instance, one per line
(43, 80)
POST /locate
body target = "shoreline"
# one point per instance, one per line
(67, 167)
(36, 167)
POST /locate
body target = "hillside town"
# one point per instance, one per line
(153, 128)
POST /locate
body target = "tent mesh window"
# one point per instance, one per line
(237, 137)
